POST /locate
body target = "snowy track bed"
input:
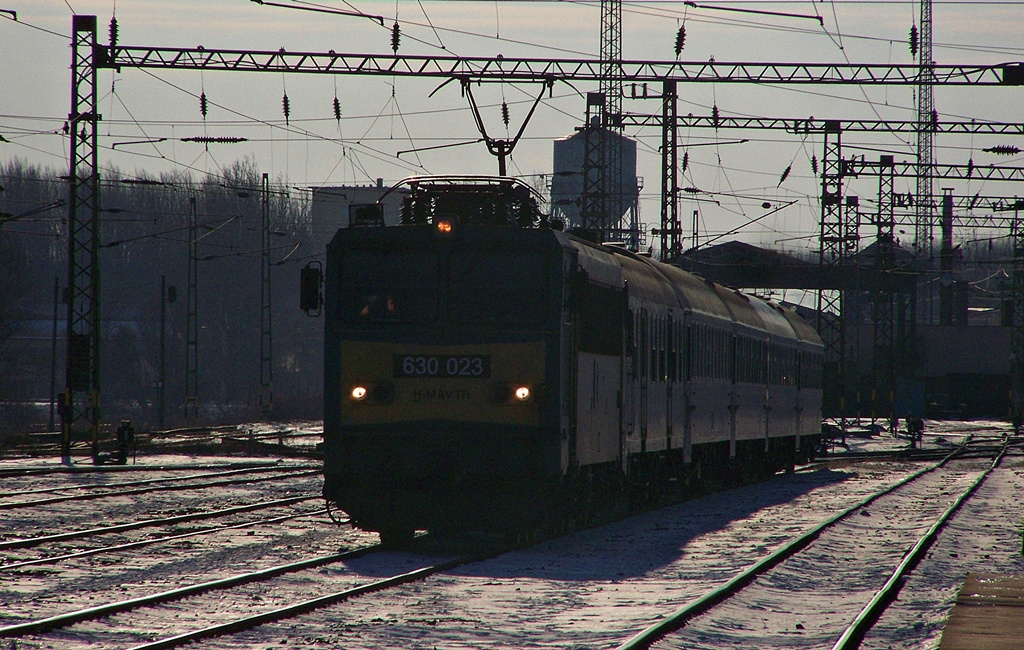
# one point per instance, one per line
(813, 598)
(194, 551)
(592, 589)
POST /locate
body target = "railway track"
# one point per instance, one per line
(53, 559)
(187, 501)
(632, 569)
(148, 523)
(21, 472)
(158, 488)
(667, 631)
(153, 481)
(220, 590)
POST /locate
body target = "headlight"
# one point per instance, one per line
(372, 393)
(511, 393)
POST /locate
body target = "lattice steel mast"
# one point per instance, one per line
(926, 126)
(80, 404)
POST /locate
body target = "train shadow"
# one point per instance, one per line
(648, 542)
(637, 545)
(644, 543)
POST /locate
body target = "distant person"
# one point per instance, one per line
(125, 439)
(915, 429)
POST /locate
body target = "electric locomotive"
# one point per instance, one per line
(485, 370)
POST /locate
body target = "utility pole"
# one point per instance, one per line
(192, 321)
(53, 353)
(162, 392)
(266, 330)
(1017, 324)
(883, 301)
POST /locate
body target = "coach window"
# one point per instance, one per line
(705, 351)
(603, 313)
(662, 345)
(631, 341)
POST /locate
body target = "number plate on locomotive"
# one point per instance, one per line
(473, 366)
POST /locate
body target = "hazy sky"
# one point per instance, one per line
(383, 116)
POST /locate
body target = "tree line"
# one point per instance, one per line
(144, 236)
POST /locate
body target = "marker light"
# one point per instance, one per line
(444, 227)
(522, 393)
(359, 393)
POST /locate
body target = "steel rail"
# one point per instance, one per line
(148, 523)
(152, 481)
(148, 490)
(89, 613)
(310, 605)
(54, 559)
(701, 604)
(114, 469)
(871, 612)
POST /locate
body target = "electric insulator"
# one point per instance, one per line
(785, 175)
(970, 167)
(221, 139)
(814, 164)
(913, 40)
(935, 120)
(286, 107)
(691, 190)
(113, 31)
(396, 37)
(714, 115)
(337, 109)
(1003, 150)
(680, 39)
(202, 103)
(504, 113)
(686, 160)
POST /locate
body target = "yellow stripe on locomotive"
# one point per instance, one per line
(489, 384)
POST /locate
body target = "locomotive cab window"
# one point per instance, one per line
(497, 287)
(388, 287)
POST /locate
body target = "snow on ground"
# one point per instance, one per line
(595, 588)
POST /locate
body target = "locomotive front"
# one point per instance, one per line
(441, 348)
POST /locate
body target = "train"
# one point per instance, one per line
(486, 369)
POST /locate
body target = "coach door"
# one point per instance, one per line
(629, 372)
(599, 367)
(644, 345)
